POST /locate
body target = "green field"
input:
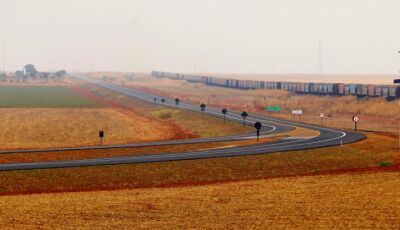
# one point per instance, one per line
(42, 97)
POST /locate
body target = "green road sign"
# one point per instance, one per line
(273, 109)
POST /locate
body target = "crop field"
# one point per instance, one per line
(42, 96)
(376, 114)
(363, 201)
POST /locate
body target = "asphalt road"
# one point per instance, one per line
(327, 137)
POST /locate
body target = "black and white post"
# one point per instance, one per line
(356, 119)
(258, 126)
(224, 112)
(244, 116)
(101, 136)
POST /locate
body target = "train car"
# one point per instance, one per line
(371, 90)
(341, 88)
(364, 90)
(333, 88)
(378, 90)
(324, 88)
(394, 91)
(300, 87)
(347, 89)
(385, 91)
(308, 87)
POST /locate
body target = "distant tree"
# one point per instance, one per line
(177, 102)
(202, 107)
(244, 116)
(155, 100)
(61, 73)
(30, 70)
(224, 112)
(163, 101)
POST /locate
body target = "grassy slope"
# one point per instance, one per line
(346, 201)
(42, 96)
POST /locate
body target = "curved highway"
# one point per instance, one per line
(327, 137)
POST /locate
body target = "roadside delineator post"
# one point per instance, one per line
(258, 126)
(356, 119)
(224, 111)
(101, 135)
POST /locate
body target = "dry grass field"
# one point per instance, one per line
(43, 128)
(356, 201)
(376, 114)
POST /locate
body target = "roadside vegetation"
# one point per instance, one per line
(376, 114)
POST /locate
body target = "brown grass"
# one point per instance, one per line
(376, 114)
(42, 128)
(362, 201)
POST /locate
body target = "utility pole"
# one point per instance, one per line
(320, 58)
(397, 81)
(4, 57)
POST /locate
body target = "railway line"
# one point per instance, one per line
(335, 89)
(327, 137)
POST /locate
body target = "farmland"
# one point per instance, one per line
(364, 201)
(42, 97)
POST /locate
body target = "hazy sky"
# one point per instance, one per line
(265, 36)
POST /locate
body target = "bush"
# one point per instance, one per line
(386, 163)
(165, 115)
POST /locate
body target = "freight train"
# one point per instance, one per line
(334, 89)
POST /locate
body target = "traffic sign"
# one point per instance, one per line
(273, 108)
(297, 112)
(322, 115)
(356, 119)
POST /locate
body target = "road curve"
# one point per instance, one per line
(328, 137)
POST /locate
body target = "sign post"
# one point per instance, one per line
(101, 135)
(321, 115)
(224, 111)
(356, 119)
(397, 81)
(297, 112)
(276, 109)
(258, 126)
